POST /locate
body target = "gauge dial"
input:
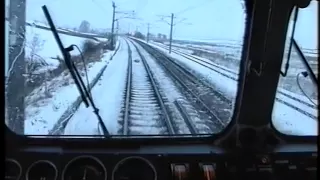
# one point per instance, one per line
(42, 170)
(85, 168)
(12, 169)
(134, 168)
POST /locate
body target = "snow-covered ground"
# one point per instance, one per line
(42, 43)
(289, 82)
(110, 88)
(285, 119)
(224, 48)
(43, 112)
(107, 97)
(110, 100)
(102, 39)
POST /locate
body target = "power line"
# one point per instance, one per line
(193, 7)
(171, 24)
(95, 2)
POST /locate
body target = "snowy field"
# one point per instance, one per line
(43, 113)
(42, 43)
(229, 49)
(232, 63)
(285, 119)
(233, 49)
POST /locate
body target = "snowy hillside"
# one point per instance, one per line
(43, 44)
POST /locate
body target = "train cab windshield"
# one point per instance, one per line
(151, 68)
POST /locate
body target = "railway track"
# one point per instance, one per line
(210, 104)
(234, 76)
(185, 117)
(144, 111)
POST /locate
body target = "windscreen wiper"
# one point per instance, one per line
(85, 95)
(312, 75)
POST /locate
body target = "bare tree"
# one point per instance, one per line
(35, 46)
(84, 26)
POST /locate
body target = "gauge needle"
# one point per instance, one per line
(84, 174)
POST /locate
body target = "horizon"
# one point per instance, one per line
(227, 22)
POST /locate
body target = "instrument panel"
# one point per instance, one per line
(49, 164)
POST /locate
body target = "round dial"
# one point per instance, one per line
(84, 168)
(42, 170)
(12, 169)
(134, 168)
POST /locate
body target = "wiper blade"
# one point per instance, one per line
(305, 63)
(85, 95)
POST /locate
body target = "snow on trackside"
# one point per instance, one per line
(106, 95)
(285, 119)
(102, 39)
(220, 48)
(233, 73)
(42, 115)
(228, 88)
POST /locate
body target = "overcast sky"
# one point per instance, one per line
(196, 25)
(205, 19)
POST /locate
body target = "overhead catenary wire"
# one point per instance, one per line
(171, 24)
(193, 7)
(99, 5)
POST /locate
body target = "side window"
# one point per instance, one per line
(295, 109)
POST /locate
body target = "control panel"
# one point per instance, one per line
(163, 163)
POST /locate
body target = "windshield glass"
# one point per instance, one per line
(296, 107)
(152, 67)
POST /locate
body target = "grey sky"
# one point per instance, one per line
(99, 13)
(210, 19)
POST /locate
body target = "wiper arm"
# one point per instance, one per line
(305, 63)
(74, 72)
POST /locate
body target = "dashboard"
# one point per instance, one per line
(161, 163)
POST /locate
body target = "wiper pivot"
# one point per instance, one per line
(305, 63)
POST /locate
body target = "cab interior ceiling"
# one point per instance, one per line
(263, 50)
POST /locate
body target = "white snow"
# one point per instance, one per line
(42, 115)
(102, 39)
(298, 96)
(47, 47)
(223, 48)
(234, 73)
(284, 118)
(227, 88)
(106, 95)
